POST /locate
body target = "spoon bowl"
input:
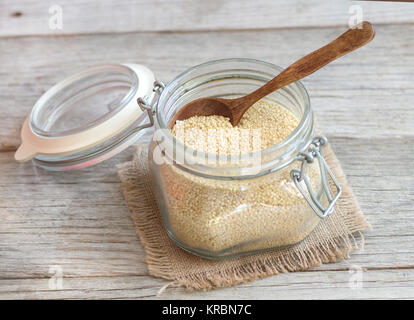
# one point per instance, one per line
(204, 107)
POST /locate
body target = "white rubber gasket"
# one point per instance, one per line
(34, 144)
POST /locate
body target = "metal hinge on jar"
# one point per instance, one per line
(146, 105)
(314, 151)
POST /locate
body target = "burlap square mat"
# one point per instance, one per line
(332, 240)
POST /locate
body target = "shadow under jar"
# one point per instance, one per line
(218, 206)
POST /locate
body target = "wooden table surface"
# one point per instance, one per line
(76, 224)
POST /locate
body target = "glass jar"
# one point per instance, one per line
(214, 206)
(217, 206)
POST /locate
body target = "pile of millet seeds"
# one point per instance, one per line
(233, 216)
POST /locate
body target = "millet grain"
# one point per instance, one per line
(222, 216)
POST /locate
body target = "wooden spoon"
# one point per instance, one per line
(235, 108)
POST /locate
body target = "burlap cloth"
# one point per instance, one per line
(332, 240)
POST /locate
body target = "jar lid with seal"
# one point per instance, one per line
(87, 118)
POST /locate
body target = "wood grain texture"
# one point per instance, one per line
(78, 220)
(87, 16)
(376, 284)
(376, 79)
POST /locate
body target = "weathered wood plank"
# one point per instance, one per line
(355, 96)
(348, 284)
(86, 16)
(78, 220)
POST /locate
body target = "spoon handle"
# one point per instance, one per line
(347, 42)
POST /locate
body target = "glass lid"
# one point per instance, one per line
(89, 99)
(85, 110)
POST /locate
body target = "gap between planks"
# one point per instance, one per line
(125, 275)
(199, 31)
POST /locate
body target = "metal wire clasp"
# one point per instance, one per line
(146, 105)
(314, 151)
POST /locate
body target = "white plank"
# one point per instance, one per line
(353, 283)
(87, 16)
(355, 96)
(78, 219)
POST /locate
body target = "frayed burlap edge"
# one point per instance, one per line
(137, 191)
